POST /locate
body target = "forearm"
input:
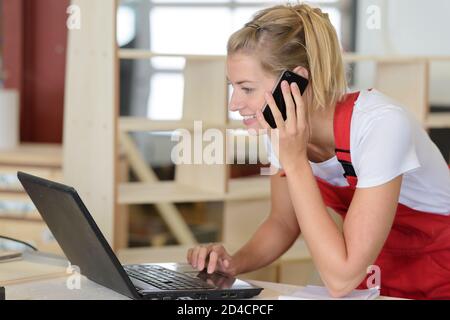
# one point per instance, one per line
(324, 239)
(269, 242)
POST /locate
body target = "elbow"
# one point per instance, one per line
(338, 288)
(342, 280)
(339, 291)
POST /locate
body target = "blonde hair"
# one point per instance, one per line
(287, 36)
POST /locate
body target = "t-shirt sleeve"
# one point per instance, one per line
(385, 148)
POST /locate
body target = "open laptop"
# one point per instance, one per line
(85, 246)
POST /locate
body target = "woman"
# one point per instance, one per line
(360, 153)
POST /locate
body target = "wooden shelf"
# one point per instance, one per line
(146, 54)
(348, 57)
(438, 120)
(170, 191)
(298, 252)
(351, 57)
(46, 155)
(91, 113)
(134, 124)
(44, 160)
(19, 198)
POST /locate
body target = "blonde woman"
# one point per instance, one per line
(359, 153)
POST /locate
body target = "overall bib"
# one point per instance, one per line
(415, 259)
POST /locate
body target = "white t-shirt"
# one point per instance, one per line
(385, 142)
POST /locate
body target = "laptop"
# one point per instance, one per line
(85, 247)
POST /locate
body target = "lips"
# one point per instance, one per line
(250, 121)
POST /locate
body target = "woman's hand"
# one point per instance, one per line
(291, 136)
(214, 257)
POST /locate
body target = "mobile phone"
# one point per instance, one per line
(290, 77)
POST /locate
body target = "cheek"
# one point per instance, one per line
(257, 102)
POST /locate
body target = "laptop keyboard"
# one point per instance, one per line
(166, 279)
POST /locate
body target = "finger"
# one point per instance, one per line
(262, 122)
(189, 255)
(195, 256)
(279, 121)
(300, 106)
(212, 261)
(290, 106)
(201, 258)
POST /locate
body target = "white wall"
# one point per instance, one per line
(415, 27)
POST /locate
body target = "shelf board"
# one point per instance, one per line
(33, 154)
(438, 120)
(134, 124)
(146, 54)
(22, 198)
(297, 252)
(348, 57)
(352, 57)
(170, 191)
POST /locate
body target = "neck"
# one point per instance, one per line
(322, 129)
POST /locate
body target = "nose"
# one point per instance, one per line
(235, 104)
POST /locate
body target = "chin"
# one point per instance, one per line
(256, 127)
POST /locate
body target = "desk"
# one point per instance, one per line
(56, 289)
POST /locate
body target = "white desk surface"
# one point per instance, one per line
(56, 288)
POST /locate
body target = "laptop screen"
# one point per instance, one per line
(77, 233)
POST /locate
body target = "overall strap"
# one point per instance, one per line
(342, 121)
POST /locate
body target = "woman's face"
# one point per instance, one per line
(249, 82)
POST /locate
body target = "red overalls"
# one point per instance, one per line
(415, 259)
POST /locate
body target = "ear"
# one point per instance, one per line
(302, 71)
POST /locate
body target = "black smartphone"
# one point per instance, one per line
(290, 77)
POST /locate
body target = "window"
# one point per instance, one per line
(188, 27)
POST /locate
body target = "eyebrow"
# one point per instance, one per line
(240, 82)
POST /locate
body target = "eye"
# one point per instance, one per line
(247, 90)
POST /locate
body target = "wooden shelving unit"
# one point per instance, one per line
(94, 131)
(250, 188)
(136, 124)
(19, 219)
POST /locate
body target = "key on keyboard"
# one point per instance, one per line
(166, 279)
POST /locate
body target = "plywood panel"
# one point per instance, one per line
(168, 211)
(91, 111)
(242, 218)
(169, 191)
(406, 82)
(33, 154)
(205, 99)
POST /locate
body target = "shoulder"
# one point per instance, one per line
(382, 139)
(376, 113)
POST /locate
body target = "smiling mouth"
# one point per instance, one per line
(253, 116)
